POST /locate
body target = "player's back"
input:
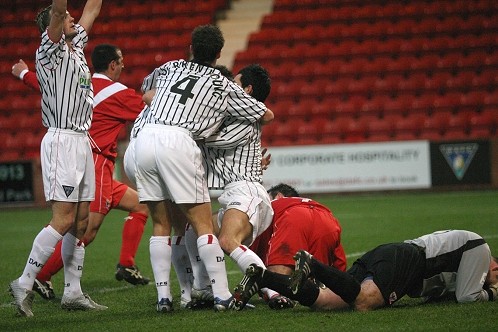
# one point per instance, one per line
(188, 95)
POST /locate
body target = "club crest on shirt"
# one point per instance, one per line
(393, 298)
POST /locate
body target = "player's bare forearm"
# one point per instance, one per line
(90, 13)
(57, 15)
(267, 117)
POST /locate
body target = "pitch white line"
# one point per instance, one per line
(357, 254)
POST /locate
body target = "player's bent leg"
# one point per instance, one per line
(95, 220)
(235, 228)
(370, 297)
(328, 300)
(133, 229)
(63, 216)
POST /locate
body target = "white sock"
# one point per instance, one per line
(214, 260)
(160, 259)
(73, 256)
(199, 273)
(43, 247)
(269, 293)
(183, 268)
(244, 257)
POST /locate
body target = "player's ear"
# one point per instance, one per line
(218, 55)
(248, 89)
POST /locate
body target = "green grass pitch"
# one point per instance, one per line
(367, 220)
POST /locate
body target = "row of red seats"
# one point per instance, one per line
(478, 61)
(359, 9)
(367, 51)
(129, 10)
(383, 29)
(392, 84)
(381, 105)
(315, 34)
(443, 125)
(390, 11)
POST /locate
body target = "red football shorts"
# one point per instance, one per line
(108, 191)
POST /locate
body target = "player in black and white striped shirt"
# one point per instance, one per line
(191, 101)
(234, 161)
(66, 156)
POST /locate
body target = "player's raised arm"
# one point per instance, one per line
(58, 14)
(90, 13)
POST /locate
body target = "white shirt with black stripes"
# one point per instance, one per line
(65, 82)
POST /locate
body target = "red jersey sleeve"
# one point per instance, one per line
(30, 80)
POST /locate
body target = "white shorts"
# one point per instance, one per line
(67, 166)
(129, 164)
(169, 166)
(250, 198)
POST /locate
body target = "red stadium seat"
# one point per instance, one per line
(424, 103)
(380, 130)
(398, 105)
(412, 125)
(326, 107)
(447, 102)
(482, 125)
(438, 81)
(302, 109)
(374, 106)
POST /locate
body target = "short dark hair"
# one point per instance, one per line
(284, 189)
(258, 77)
(43, 18)
(207, 42)
(225, 71)
(103, 55)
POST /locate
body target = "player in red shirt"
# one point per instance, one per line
(298, 223)
(114, 106)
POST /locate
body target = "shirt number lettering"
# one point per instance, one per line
(184, 88)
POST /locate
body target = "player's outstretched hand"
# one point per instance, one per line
(266, 160)
(18, 68)
(494, 290)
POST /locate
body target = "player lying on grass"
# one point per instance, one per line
(446, 264)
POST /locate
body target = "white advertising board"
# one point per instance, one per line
(351, 167)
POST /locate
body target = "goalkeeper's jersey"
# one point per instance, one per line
(457, 262)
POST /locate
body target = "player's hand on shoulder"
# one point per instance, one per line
(266, 160)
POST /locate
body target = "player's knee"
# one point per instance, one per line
(227, 243)
(369, 298)
(142, 209)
